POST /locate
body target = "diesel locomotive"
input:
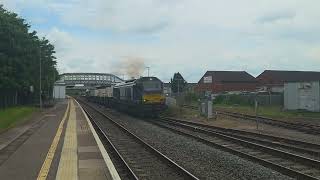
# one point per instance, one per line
(143, 96)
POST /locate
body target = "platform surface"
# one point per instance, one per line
(64, 146)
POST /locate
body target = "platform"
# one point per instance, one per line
(62, 145)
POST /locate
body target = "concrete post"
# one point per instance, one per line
(256, 113)
(209, 109)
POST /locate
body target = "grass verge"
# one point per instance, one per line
(11, 116)
(269, 111)
(180, 112)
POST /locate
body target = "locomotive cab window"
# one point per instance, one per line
(151, 85)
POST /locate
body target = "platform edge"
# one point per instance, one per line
(113, 174)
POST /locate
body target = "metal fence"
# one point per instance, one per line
(9, 98)
(274, 99)
(263, 99)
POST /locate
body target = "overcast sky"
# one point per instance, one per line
(189, 36)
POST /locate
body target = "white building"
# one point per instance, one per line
(59, 90)
(302, 95)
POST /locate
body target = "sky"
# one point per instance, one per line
(186, 36)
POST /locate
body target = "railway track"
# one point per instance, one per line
(135, 159)
(302, 127)
(280, 157)
(299, 147)
(190, 107)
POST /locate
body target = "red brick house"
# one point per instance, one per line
(273, 80)
(226, 81)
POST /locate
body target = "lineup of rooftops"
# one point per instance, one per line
(268, 80)
(217, 81)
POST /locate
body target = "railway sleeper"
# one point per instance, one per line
(276, 152)
(271, 152)
(276, 166)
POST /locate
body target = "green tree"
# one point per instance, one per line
(20, 51)
(178, 84)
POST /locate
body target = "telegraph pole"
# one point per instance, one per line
(148, 70)
(178, 87)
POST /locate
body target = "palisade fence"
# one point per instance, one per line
(263, 99)
(9, 98)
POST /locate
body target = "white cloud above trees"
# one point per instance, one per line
(183, 35)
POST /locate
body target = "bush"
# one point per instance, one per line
(219, 99)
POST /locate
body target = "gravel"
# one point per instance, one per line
(203, 161)
(242, 124)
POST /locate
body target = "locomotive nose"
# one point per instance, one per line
(153, 98)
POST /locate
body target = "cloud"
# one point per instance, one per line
(146, 16)
(152, 28)
(62, 40)
(183, 35)
(77, 54)
(277, 16)
(314, 53)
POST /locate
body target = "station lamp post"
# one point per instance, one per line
(40, 89)
(40, 74)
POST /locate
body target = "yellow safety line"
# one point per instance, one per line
(47, 162)
(68, 165)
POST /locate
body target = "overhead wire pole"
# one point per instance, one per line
(148, 70)
(40, 74)
(179, 99)
(178, 87)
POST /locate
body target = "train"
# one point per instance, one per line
(142, 96)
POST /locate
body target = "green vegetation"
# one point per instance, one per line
(181, 112)
(11, 116)
(178, 84)
(20, 51)
(236, 103)
(268, 111)
(191, 98)
(232, 99)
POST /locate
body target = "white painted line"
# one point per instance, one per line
(112, 170)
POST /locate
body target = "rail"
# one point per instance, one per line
(273, 158)
(133, 142)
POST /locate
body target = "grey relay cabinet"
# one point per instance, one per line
(302, 95)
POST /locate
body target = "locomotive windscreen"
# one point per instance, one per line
(152, 85)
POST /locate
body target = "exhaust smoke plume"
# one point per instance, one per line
(131, 67)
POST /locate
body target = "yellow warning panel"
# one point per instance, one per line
(68, 165)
